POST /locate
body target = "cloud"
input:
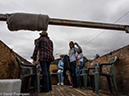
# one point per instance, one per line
(93, 41)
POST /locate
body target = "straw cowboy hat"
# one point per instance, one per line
(43, 33)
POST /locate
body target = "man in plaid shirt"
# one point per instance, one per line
(44, 45)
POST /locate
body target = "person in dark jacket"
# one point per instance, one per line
(44, 45)
(67, 68)
(66, 64)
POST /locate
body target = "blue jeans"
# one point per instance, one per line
(73, 73)
(46, 78)
(60, 75)
(79, 67)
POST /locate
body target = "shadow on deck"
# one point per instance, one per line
(67, 91)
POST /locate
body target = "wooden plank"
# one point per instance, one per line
(67, 91)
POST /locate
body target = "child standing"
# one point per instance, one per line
(60, 71)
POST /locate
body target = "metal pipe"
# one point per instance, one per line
(3, 17)
(76, 23)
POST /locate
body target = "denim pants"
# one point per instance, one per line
(79, 67)
(46, 78)
(60, 75)
(73, 73)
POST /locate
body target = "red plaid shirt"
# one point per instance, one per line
(44, 51)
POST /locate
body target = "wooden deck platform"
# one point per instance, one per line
(67, 91)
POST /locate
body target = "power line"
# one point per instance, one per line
(121, 17)
(105, 30)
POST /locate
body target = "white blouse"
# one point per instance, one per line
(80, 57)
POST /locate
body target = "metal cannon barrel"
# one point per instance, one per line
(77, 23)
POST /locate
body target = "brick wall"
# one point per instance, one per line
(8, 64)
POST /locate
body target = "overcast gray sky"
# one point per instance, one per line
(92, 41)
